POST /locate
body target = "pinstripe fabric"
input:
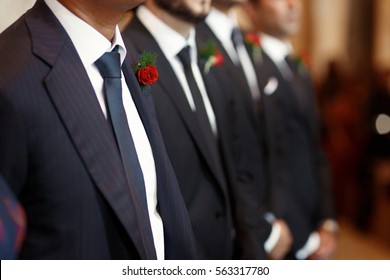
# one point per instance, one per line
(71, 180)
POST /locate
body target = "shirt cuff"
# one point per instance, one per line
(311, 245)
(273, 238)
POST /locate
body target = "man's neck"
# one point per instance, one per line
(224, 8)
(177, 24)
(101, 18)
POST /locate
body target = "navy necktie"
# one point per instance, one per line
(237, 38)
(109, 66)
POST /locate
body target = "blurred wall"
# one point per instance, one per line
(381, 48)
(10, 10)
(330, 21)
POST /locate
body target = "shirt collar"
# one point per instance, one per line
(170, 41)
(215, 19)
(89, 43)
(276, 49)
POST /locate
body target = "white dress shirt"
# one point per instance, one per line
(90, 46)
(217, 19)
(171, 43)
(277, 50)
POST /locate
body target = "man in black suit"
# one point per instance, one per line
(198, 120)
(302, 194)
(87, 193)
(221, 27)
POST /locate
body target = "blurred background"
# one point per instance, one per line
(347, 46)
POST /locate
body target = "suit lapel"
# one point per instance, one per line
(168, 81)
(287, 91)
(76, 103)
(204, 33)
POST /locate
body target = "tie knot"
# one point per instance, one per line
(109, 64)
(184, 56)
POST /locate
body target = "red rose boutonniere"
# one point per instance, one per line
(253, 42)
(212, 56)
(145, 70)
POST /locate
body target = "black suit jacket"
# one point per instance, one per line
(59, 154)
(202, 178)
(302, 190)
(250, 156)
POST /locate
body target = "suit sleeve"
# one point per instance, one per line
(13, 151)
(327, 208)
(249, 191)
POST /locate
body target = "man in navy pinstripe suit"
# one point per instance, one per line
(58, 151)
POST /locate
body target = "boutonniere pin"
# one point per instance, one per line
(253, 42)
(145, 69)
(211, 55)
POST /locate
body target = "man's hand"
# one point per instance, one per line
(328, 245)
(284, 243)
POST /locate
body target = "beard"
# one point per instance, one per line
(181, 10)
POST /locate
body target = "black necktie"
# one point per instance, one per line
(201, 114)
(292, 64)
(238, 42)
(296, 79)
(109, 66)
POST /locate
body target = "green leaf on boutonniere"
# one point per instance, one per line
(211, 54)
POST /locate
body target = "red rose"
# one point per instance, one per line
(218, 59)
(253, 39)
(147, 75)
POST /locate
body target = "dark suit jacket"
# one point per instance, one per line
(60, 157)
(202, 178)
(216, 203)
(251, 156)
(302, 191)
